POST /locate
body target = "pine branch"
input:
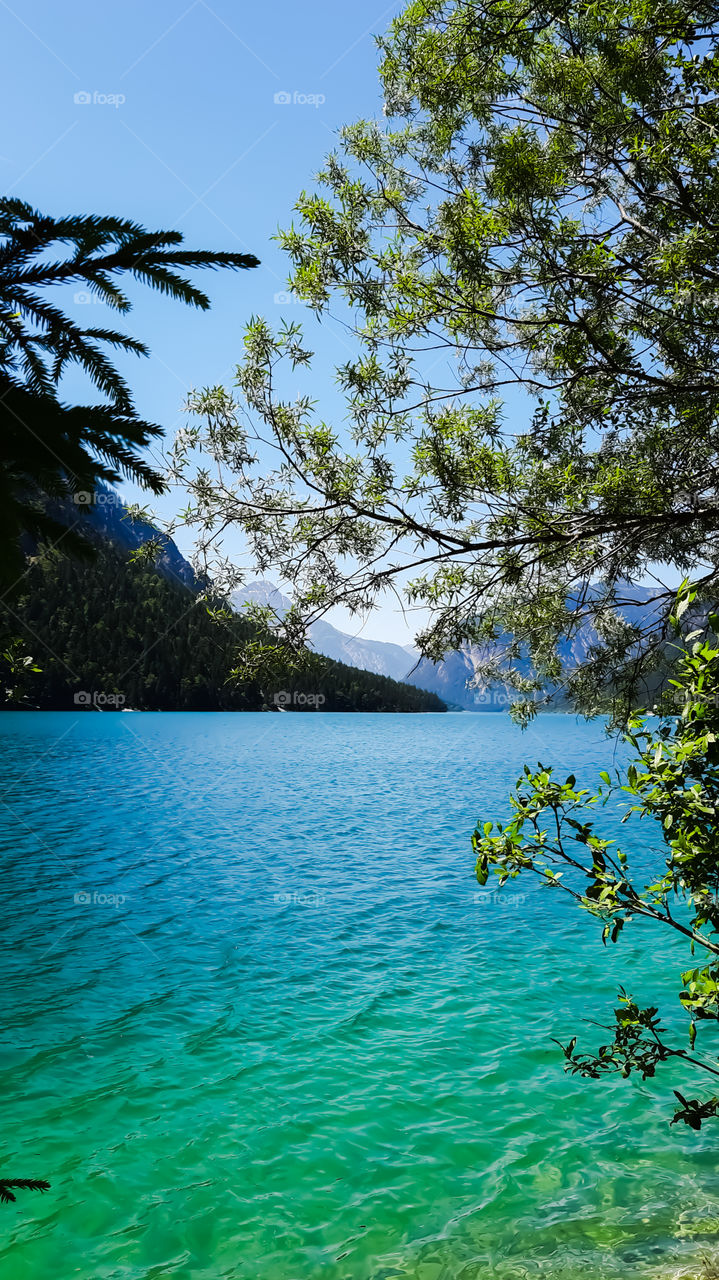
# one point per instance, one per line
(47, 447)
(22, 1184)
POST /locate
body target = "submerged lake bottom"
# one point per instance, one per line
(260, 1019)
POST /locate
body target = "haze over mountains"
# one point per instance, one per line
(380, 656)
(449, 679)
(111, 629)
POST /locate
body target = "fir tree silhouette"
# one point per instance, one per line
(49, 448)
(7, 1185)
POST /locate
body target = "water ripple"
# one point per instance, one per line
(257, 1021)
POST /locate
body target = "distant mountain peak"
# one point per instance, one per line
(379, 656)
(262, 593)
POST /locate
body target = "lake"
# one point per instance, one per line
(259, 1019)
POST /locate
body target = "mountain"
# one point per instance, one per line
(106, 523)
(108, 632)
(450, 677)
(102, 519)
(379, 656)
(106, 520)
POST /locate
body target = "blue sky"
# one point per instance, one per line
(166, 113)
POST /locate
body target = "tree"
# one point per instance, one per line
(673, 780)
(527, 257)
(50, 448)
(145, 640)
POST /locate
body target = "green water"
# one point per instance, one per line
(283, 1038)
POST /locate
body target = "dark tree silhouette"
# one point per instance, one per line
(24, 1184)
(46, 446)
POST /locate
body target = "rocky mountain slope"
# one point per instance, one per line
(450, 679)
(108, 631)
(379, 656)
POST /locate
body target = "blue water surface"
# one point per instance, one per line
(260, 1020)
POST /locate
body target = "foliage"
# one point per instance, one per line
(49, 447)
(672, 780)
(17, 667)
(106, 627)
(527, 256)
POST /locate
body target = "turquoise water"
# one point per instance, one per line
(284, 1039)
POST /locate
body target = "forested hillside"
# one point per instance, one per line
(109, 627)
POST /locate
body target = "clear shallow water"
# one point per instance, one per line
(300, 1046)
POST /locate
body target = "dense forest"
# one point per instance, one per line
(106, 632)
